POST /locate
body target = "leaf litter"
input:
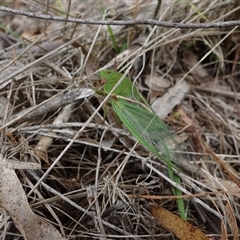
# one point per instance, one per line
(90, 186)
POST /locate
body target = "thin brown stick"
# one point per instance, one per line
(204, 194)
(129, 22)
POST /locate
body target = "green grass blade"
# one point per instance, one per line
(110, 31)
(113, 39)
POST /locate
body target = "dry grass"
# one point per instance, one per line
(97, 168)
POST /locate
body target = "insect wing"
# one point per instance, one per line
(145, 125)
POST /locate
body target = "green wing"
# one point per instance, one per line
(146, 126)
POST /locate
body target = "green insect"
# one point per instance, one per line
(125, 89)
(141, 120)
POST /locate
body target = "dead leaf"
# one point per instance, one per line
(228, 184)
(223, 184)
(165, 104)
(191, 60)
(180, 228)
(157, 82)
(24, 165)
(184, 117)
(31, 34)
(55, 102)
(45, 142)
(13, 199)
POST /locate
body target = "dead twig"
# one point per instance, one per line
(128, 22)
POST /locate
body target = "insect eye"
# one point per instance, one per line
(103, 81)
